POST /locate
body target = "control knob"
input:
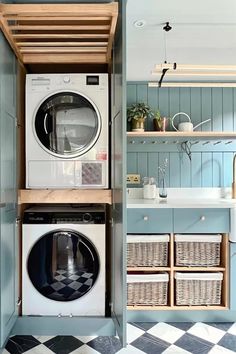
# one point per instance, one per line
(87, 217)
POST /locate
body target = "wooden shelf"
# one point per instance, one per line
(60, 33)
(171, 134)
(176, 308)
(199, 269)
(148, 269)
(64, 196)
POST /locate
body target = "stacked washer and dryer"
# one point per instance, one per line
(64, 248)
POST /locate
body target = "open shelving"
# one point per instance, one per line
(172, 134)
(171, 269)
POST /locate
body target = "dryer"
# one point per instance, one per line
(67, 131)
(63, 261)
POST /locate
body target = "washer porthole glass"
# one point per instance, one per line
(67, 124)
(63, 265)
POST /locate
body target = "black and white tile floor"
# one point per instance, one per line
(150, 338)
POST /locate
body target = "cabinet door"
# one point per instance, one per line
(201, 220)
(232, 278)
(8, 194)
(149, 221)
(9, 294)
(118, 178)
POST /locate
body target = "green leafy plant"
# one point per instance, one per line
(159, 123)
(158, 119)
(138, 111)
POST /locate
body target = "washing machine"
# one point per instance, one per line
(67, 131)
(63, 261)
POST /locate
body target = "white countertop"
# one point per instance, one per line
(183, 198)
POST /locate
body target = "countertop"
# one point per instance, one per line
(181, 203)
(183, 198)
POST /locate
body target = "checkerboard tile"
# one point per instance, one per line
(142, 337)
(68, 285)
(166, 332)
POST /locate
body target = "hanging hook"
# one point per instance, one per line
(167, 27)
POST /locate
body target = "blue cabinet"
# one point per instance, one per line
(8, 237)
(201, 220)
(232, 277)
(153, 220)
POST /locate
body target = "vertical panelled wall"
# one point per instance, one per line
(211, 161)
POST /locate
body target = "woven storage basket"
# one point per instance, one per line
(148, 289)
(198, 288)
(147, 250)
(197, 250)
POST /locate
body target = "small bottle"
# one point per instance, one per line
(149, 188)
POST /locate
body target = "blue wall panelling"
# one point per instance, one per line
(211, 161)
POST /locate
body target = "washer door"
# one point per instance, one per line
(63, 265)
(67, 124)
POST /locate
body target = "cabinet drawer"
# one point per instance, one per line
(149, 220)
(201, 220)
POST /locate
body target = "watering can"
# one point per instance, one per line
(186, 126)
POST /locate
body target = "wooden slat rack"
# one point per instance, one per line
(60, 33)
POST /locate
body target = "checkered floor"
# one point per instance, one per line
(68, 285)
(150, 338)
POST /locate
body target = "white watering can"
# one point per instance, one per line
(186, 126)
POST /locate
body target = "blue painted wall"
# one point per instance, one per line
(211, 161)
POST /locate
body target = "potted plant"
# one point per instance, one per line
(159, 123)
(136, 114)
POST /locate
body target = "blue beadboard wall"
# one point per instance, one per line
(211, 161)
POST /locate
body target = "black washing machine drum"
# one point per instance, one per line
(63, 265)
(67, 124)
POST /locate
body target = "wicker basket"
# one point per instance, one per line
(147, 250)
(148, 289)
(198, 288)
(197, 250)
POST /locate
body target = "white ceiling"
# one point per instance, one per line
(203, 32)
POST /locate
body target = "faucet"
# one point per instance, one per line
(234, 178)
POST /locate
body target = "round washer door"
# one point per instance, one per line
(63, 265)
(67, 124)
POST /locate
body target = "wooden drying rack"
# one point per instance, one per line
(59, 33)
